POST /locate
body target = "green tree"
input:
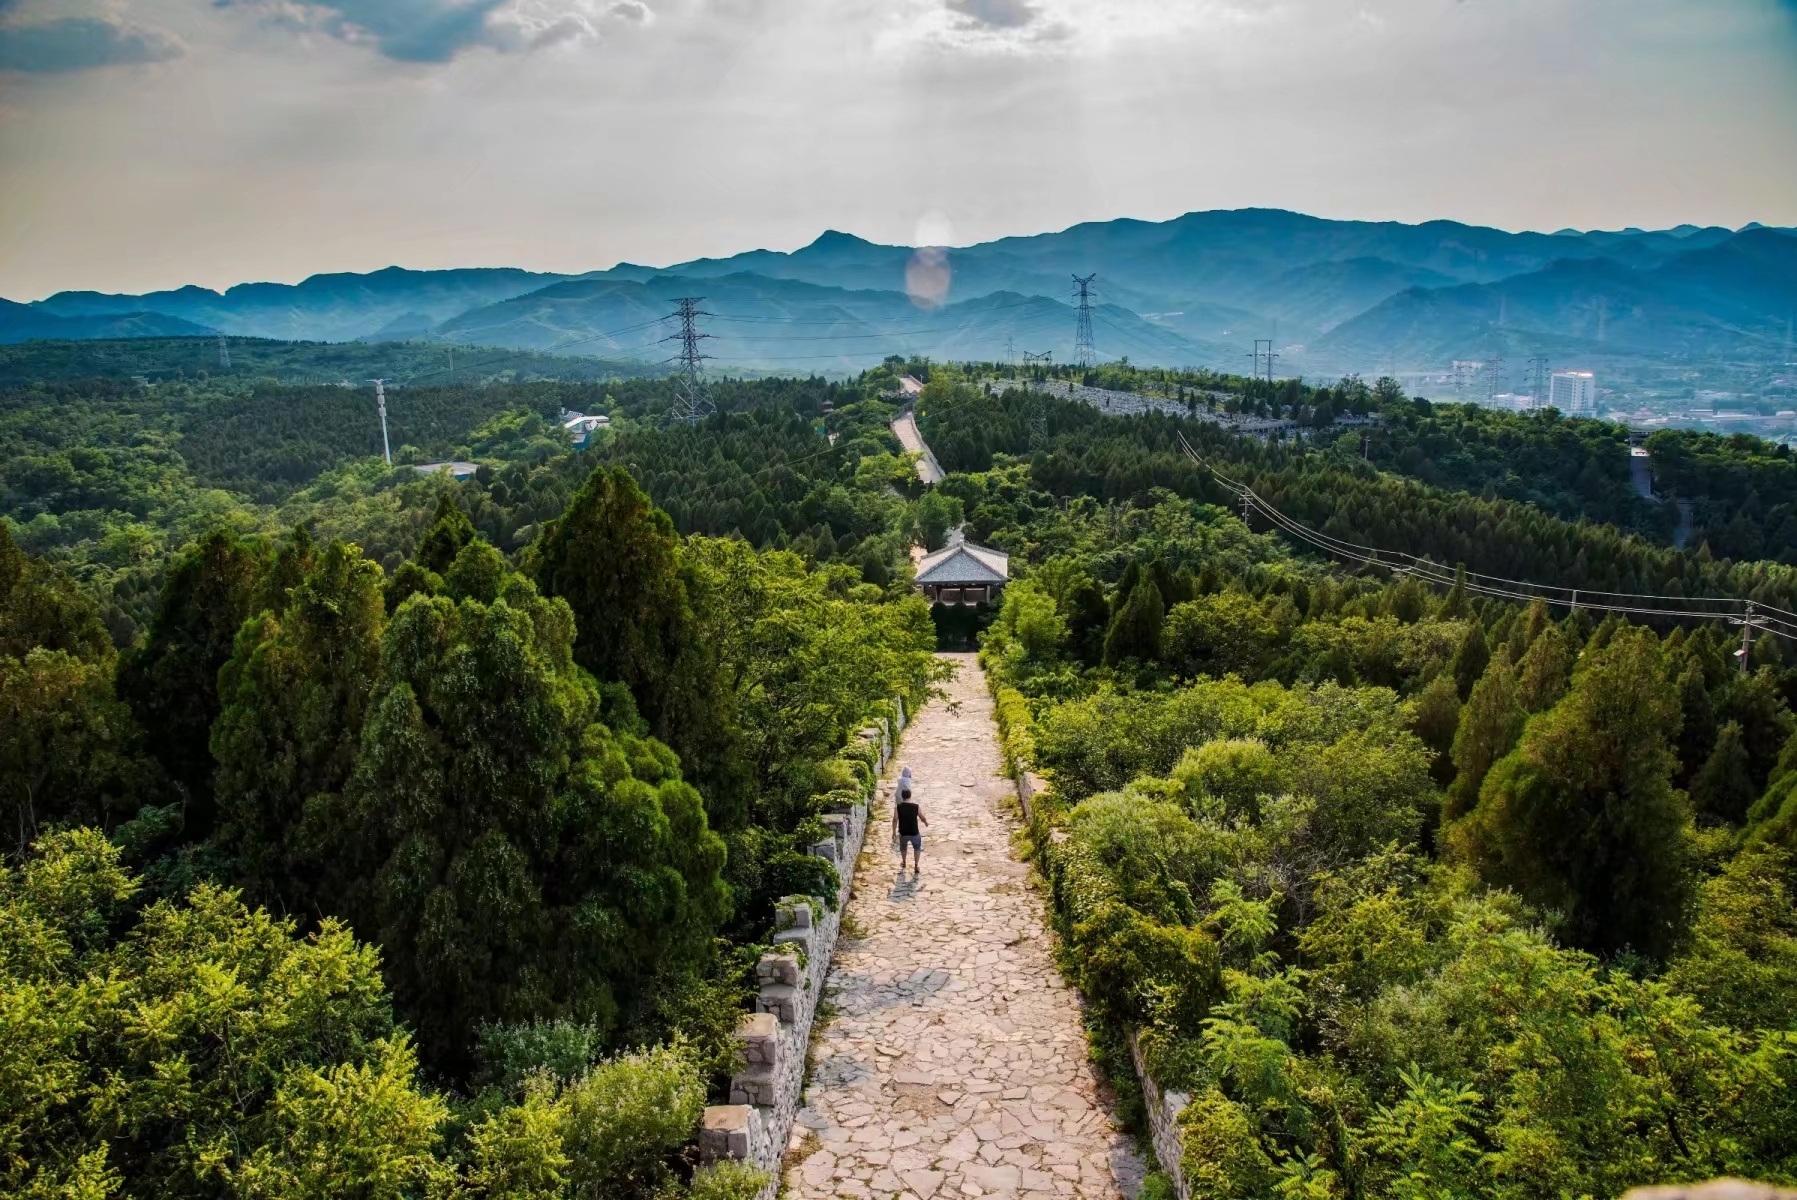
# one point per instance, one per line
(1582, 816)
(1470, 659)
(1436, 721)
(1218, 634)
(170, 678)
(533, 863)
(41, 606)
(1723, 787)
(615, 560)
(223, 1055)
(1135, 631)
(69, 751)
(295, 696)
(1490, 723)
(1543, 671)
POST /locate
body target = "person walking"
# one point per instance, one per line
(907, 816)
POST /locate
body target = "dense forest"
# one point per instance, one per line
(425, 830)
(1414, 893)
(376, 834)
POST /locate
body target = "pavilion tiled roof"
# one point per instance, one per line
(964, 563)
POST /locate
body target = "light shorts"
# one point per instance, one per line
(913, 840)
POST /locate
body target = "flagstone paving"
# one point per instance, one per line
(955, 1065)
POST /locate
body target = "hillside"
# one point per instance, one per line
(24, 323)
(1729, 300)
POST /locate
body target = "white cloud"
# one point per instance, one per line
(569, 134)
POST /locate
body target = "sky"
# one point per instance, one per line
(153, 143)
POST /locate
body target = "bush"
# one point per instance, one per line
(622, 1121)
(728, 1181)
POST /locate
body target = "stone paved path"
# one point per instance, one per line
(956, 1065)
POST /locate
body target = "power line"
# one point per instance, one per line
(690, 402)
(1084, 355)
(1733, 611)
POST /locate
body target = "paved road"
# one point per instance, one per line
(904, 427)
(956, 1066)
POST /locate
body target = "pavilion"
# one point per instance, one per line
(963, 573)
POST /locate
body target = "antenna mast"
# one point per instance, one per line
(1083, 353)
(690, 402)
(380, 402)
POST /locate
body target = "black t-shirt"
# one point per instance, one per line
(907, 818)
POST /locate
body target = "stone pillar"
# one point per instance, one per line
(726, 1132)
(758, 1082)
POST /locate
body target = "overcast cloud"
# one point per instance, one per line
(151, 143)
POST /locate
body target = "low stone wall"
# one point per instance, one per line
(1163, 1119)
(765, 1095)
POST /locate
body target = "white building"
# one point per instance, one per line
(1573, 393)
(581, 426)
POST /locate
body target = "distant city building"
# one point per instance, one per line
(1513, 402)
(1572, 392)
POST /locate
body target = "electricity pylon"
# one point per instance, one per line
(1084, 355)
(690, 401)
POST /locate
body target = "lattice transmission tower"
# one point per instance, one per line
(1084, 355)
(1538, 385)
(224, 354)
(690, 400)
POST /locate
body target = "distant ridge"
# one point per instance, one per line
(1193, 290)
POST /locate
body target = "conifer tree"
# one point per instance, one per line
(531, 863)
(1490, 723)
(1723, 787)
(615, 559)
(170, 679)
(295, 692)
(1471, 659)
(1135, 631)
(1582, 817)
(1542, 674)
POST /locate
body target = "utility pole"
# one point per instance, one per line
(224, 354)
(690, 402)
(380, 402)
(1084, 355)
(1748, 624)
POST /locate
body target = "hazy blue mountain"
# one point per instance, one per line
(1732, 299)
(24, 323)
(1319, 296)
(332, 308)
(758, 322)
(1199, 288)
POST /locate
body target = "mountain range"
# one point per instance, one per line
(1195, 290)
